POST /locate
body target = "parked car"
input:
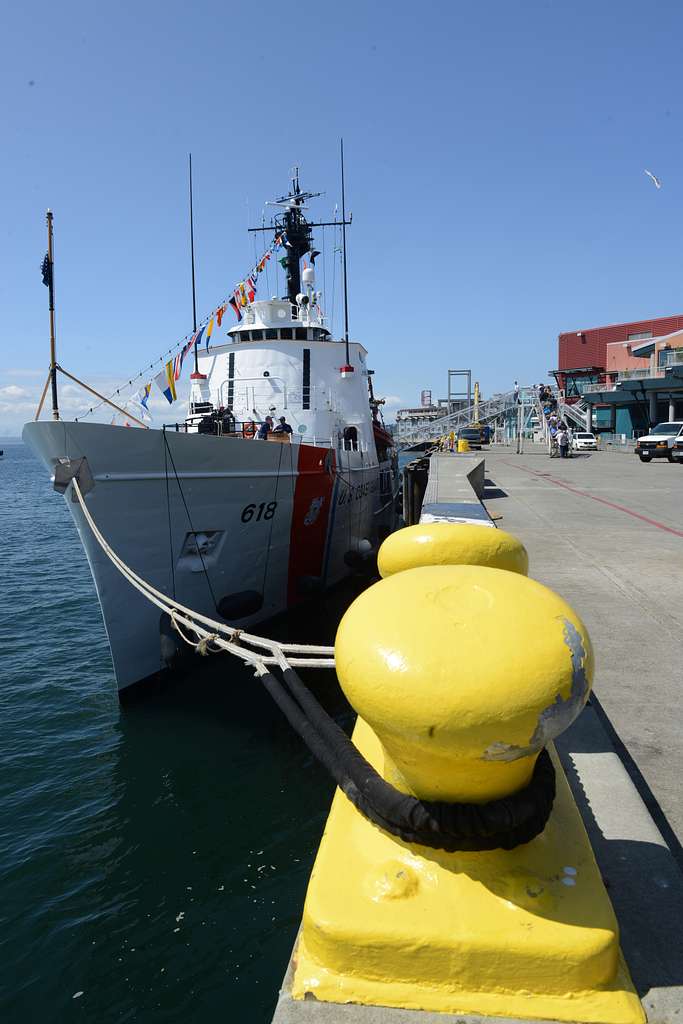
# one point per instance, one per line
(583, 440)
(659, 443)
(678, 449)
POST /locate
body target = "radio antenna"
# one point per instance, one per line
(346, 291)
(194, 292)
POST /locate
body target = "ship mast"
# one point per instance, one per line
(297, 231)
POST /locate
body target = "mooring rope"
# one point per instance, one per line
(499, 824)
(207, 630)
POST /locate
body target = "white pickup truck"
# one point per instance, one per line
(659, 443)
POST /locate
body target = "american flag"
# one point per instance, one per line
(46, 270)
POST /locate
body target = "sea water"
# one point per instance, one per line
(153, 856)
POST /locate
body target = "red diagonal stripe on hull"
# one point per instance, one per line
(310, 517)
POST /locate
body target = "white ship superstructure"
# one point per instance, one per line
(229, 524)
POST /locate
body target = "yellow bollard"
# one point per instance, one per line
(463, 445)
(461, 674)
(451, 544)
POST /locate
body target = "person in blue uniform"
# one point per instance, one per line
(283, 427)
(264, 429)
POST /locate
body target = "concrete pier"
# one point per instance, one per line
(455, 489)
(606, 533)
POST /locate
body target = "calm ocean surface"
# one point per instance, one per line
(153, 857)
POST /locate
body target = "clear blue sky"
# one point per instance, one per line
(495, 157)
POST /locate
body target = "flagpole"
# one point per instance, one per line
(194, 294)
(53, 345)
(346, 293)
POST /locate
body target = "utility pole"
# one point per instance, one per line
(50, 282)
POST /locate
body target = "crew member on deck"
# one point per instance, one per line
(228, 421)
(264, 429)
(283, 427)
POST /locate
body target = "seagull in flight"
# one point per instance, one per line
(655, 179)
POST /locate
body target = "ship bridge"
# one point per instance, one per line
(281, 320)
(280, 360)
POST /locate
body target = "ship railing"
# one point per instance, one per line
(354, 446)
(250, 392)
(318, 399)
(243, 429)
(248, 428)
(266, 393)
(219, 427)
(249, 314)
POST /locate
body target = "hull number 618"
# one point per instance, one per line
(258, 512)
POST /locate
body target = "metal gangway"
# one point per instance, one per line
(510, 413)
(482, 412)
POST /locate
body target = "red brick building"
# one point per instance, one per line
(587, 349)
(584, 371)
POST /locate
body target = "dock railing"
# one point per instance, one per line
(615, 442)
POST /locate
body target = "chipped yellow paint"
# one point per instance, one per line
(458, 673)
(451, 544)
(466, 672)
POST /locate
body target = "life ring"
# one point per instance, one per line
(249, 429)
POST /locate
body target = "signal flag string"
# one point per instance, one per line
(236, 300)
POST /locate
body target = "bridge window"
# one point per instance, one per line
(257, 335)
(286, 333)
(271, 334)
(300, 333)
(244, 336)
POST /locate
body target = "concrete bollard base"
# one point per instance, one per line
(645, 885)
(528, 931)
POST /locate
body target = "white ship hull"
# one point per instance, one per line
(217, 522)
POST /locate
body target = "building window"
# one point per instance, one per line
(639, 336)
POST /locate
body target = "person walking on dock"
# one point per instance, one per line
(563, 441)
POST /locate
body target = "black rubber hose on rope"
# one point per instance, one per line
(498, 824)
